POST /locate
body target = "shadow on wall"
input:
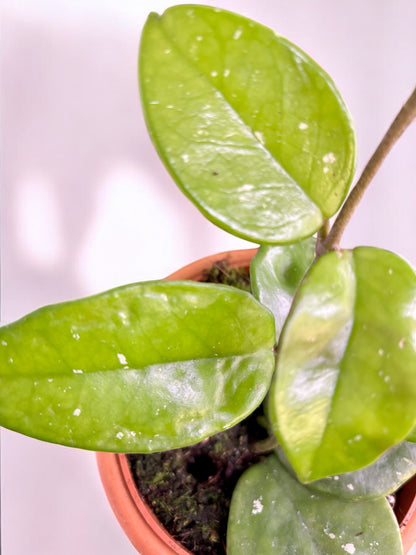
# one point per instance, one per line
(84, 194)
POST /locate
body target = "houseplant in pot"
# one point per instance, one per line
(256, 134)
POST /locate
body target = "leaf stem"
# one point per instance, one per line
(402, 121)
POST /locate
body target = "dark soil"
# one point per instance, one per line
(190, 489)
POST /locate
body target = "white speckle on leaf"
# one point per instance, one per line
(329, 534)
(122, 359)
(402, 342)
(336, 478)
(170, 106)
(199, 38)
(387, 379)
(348, 547)
(237, 34)
(77, 412)
(329, 158)
(226, 72)
(350, 486)
(257, 506)
(390, 271)
(75, 336)
(50, 380)
(325, 169)
(167, 51)
(11, 360)
(119, 435)
(4, 343)
(133, 433)
(214, 73)
(381, 352)
(185, 158)
(302, 126)
(77, 371)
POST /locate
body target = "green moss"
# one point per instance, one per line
(190, 489)
(220, 272)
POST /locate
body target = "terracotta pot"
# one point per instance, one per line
(139, 523)
(405, 510)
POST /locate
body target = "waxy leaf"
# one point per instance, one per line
(345, 386)
(251, 129)
(276, 272)
(144, 367)
(384, 476)
(412, 436)
(271, 512)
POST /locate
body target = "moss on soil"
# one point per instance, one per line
(190, 489)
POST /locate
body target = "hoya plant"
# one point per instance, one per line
(256, 134)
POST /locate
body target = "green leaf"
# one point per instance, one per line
(276, 272)
(144, 367)
(412, 436)
(271, 513)
(384, 476)
(345, 386)
(252, 130)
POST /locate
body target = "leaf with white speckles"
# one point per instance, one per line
(145, 367)
(252, 130)
(344, 390)
(271, 512)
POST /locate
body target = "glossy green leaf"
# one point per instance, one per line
(412, 436)
(252, 130)
(384, 476)
(144, 367)
(345, 387)
(271, 513)
(276, 272)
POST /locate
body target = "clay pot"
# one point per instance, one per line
(139, 523)
(405, 511)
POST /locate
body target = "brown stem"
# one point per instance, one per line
(403, 119)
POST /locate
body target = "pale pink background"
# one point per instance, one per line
(84, 197)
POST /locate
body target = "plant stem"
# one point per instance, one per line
(264, 446)
(403, 119)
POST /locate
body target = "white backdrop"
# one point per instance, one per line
(86, 204)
